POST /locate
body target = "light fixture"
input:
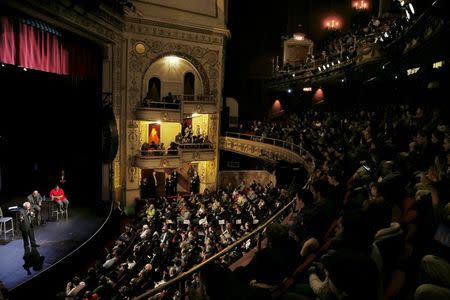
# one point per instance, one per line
(320, 69)
(339, 61)
(3, 65)
(293, 75)
(328, 65)
(307, 89)
(332, 63)
(411, 8)
(289, 91)
(25, 69)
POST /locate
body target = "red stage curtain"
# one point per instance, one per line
(45, 51)
(7, 41)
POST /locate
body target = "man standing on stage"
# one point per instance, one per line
(26, 226)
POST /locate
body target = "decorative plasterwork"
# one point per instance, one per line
(206, 61)
(173, 33)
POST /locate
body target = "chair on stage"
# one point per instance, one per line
(59, 213)
(3, 222)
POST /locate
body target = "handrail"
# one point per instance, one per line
(276, 142)
(150, 103)
(187, 147)
(224, 251)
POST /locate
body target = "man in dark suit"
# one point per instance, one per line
(153, 184)
(26, 226)
(195, 184)
(174, 181)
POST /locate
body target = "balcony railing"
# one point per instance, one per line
(148, 103)
(196, 98)
(280, 143)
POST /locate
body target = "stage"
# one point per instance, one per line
(56, 240)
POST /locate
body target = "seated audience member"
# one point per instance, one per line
(35, 200)
(271, 264)
(57, 196)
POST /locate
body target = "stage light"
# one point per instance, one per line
(339, 61)
(307, 89)
(342, 80)
(386, 34)
(324, 67)
(3, 65)
(396, 77)
(332, 63)
(411, 8)
(407, 15)
(25, 69)
(293, 75)
(320, 69)
(328, 65)
(289, 91)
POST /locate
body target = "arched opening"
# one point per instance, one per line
(177, 76)
(189, 84)
(154, 89)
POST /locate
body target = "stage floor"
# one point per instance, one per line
(56, 240)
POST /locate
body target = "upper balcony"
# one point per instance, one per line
(172, 109)
(157, 159)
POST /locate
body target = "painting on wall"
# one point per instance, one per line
(154, 134)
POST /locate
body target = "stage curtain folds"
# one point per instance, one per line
(27, 46)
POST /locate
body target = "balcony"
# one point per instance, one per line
(201, 104)
(267, 149)
(171, 110)
(157, 159)
(158, 110)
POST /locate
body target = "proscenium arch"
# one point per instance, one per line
(197, 65)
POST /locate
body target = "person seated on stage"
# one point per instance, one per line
(57, 195)
(35, 200)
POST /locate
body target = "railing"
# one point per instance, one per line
(180, 279)
(153, 153)
(196, 98)
(280, 143)
(148, 103)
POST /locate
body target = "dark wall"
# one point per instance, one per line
(47, 123)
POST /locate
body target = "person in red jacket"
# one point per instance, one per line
(57, 195)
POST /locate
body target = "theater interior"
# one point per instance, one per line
(225, 149)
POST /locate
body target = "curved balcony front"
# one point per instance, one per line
(199, 104)
(159, 159)
(268, 149)
(151, 110)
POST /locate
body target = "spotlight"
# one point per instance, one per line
(348, 58)
(293, 75)
(3, 65)
(411, 8)
(324, 67)
(343, 80)
(320, 69)
(289, 91)
(339, 61)
(396, 77)
(332, 63)
(328, 65)
(25, 69)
